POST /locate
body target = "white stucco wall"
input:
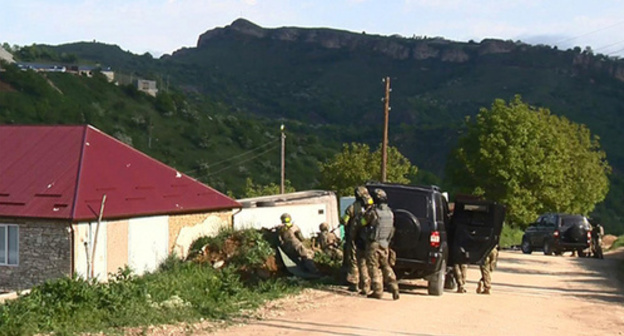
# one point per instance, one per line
(148, 243)
(84, 239)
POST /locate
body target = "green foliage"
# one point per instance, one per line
(619, 242)
(255, 190)
(510, 236)
(249, 248)
(356, 165)
(531, 161)
(181, 291)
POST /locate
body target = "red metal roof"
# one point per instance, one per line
(63, 172)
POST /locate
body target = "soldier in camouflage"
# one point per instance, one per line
(354, 260)
(291, 241)
(328, 242)
(485, 284)
(377, 229)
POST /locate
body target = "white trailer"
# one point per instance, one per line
(308, 209)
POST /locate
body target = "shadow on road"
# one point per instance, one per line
(325, 328)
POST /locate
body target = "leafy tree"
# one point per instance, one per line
(356, 164)
(530, 160)
(255, 190)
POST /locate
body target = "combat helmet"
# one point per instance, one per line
(361, 193)
(324, 227)
(286, 219)
(380, 196)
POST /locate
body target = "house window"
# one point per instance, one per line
(8, 244)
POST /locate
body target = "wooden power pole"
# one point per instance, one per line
(384, 143)
(283, 159)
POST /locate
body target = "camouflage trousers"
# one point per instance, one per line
(355, 263)
(487, 268)
(459, 271)
(379, 269)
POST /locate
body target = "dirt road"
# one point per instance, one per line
(532, 295)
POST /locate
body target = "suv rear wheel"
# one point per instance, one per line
(548, 248)
(526, 246)
(435, 286)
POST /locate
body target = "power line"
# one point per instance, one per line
(591, 32)
(609, 45)
(241, 162)
(233, 157)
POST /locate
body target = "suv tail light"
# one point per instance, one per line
(556, 234)
(434, 239)
(588, 237)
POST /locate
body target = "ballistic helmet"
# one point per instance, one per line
(286, 219)
(324, 227)
(361, 193)
(381, 196)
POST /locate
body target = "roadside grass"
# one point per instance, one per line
(178, 291)
(510, 236)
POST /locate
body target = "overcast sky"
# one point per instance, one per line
(163, 26)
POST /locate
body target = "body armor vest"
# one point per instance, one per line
(385, 225)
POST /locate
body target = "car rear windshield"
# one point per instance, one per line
(573, 220)
(415, 202)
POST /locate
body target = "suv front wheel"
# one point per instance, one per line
(526, 246)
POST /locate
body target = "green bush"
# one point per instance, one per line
(510, 236)
(619, 242)
(178, 291)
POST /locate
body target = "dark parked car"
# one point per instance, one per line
(421, 241)
(557, 233)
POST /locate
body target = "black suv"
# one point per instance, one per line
(558, 233)
(421, 240)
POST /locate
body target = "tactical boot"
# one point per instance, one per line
(486, 291)
(365, 291)
(480, 287)
(353, 288)
(461, 290)
(395, 294)
(375, 295)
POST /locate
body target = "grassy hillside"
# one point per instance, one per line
(326, 86)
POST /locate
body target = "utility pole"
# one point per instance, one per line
(283, 159)
(384, 142)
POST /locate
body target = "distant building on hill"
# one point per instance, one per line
(147, 86)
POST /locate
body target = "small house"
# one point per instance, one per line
(75, 201)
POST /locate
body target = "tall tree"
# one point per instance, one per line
(356, 164)
(530, 160)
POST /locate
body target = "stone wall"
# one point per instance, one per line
(184, 229)
(44, 253)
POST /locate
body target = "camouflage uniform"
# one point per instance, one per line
(485, 284)
(354, 260)
(378, 228)
(291, 241)
(459, 271)
(329, 242)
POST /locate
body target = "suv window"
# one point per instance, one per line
(571, 220)
(415, 202)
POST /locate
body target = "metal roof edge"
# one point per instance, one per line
(289, 196)
(80, 161)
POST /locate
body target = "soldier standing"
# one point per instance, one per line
(291, 240)
(329, 242)
(378, 228)
(485, 284)
(354, 263)
(459, 272)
